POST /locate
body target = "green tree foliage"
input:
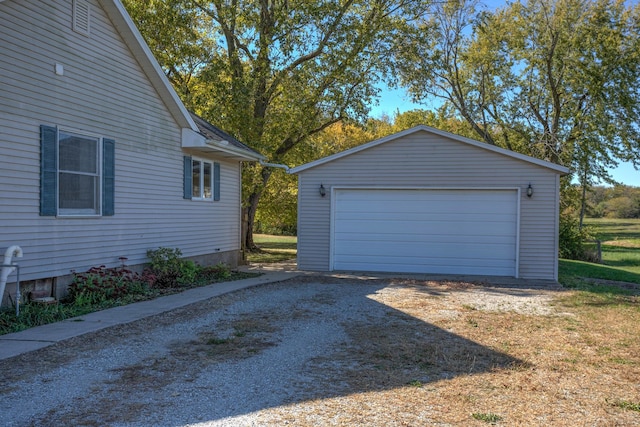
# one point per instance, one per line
(274, 73)
(572, 238)
(555, 79)
(620, 201)
(439, 119)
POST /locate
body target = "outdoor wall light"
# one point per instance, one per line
(323, 192)
(529, 191)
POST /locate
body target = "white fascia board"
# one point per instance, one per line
(560, 169)
(134, 40)
(224, 147)
(192, 139)
(196, 141)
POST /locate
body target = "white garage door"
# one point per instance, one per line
(426, 231)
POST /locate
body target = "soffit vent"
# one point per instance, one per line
(81, 16)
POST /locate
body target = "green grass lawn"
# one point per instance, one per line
(273, 248)
(621, 231)
(570, 270)
(620, 242)
(620, 254)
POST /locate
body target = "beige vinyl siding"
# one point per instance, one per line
(103, 91)
(424, 160)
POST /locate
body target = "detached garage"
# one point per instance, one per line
(426, 201)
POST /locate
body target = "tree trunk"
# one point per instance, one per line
(583, 201)
(249, 212)
(250, 215)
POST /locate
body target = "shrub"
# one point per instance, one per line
(573, 239)
(165, 265)
(188, 272)
(170, 270)
(216, 272)
(100, 284)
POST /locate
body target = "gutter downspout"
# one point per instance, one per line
(274, 165)
(8, 267)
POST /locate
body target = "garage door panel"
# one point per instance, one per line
(423, 215)
(442, 266)
(432, 201)
(357, 196)
(451, 260)
(426, 231)
(432, 207)
(479, 251)
(434, 239)
(419, 267)
(464, 228)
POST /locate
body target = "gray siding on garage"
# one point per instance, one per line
(422, 160)
(103, 91)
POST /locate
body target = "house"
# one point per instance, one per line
(427, 201)
(99, 158)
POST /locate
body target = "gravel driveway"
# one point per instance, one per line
(293, 352)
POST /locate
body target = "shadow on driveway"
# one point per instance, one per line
(218, 361)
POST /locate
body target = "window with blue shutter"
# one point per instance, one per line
(48, 171)
(216, 181)
(108, 176)
(201, 179)
(188, 177)
(77, 174)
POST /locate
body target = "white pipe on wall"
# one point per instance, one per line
(8, 268)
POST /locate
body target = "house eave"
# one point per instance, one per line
(224, 149)
(196, 143)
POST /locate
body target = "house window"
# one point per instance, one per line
(77, 174)
(202, 179)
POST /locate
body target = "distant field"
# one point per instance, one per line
(620, 242)
(616, 232)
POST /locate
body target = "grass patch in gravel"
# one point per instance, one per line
(487, 418)
(624, 404)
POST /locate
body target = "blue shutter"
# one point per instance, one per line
(48, 171)
(216, 181)
(188, 177)
(108, 176)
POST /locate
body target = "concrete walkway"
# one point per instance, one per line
(42, 336)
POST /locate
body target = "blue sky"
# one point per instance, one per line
(397, 100)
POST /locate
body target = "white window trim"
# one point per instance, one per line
(80, 213)
(202, 162)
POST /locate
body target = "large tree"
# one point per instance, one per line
(274, 72)
(555, 79)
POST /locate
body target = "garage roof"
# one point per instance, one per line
(422, 128)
